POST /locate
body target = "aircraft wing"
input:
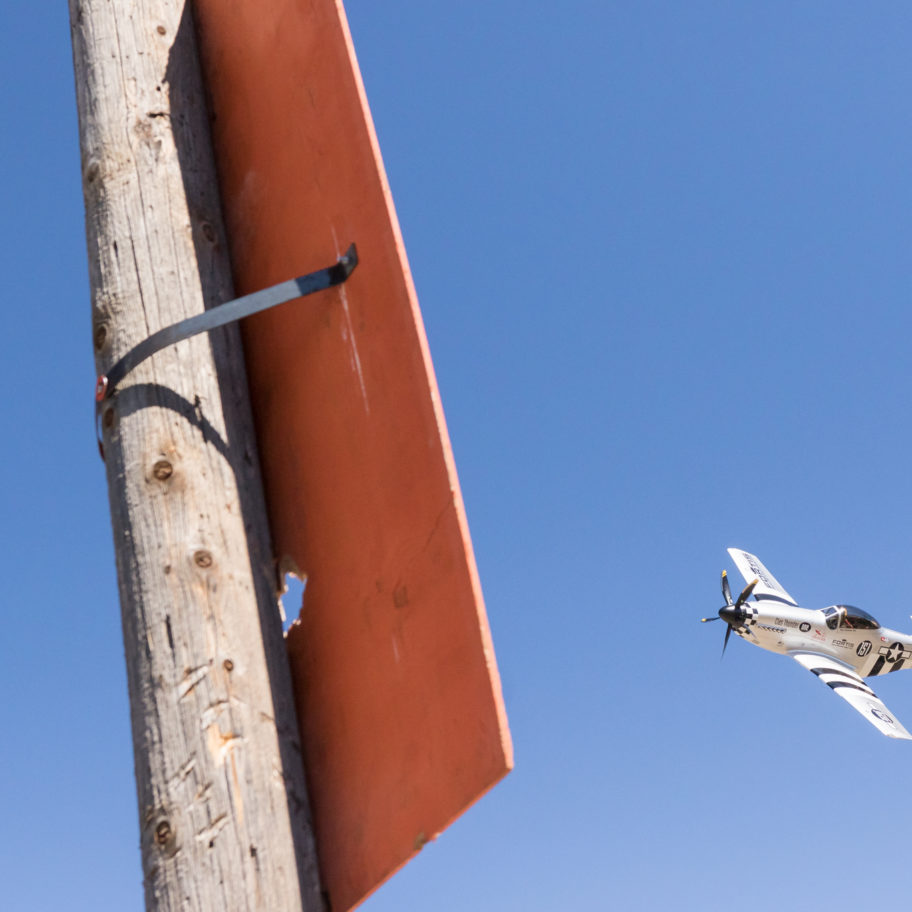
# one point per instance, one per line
(752, 569)
(845, 682)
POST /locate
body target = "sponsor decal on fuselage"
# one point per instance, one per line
(843, 644)
(785, 622)
(804, 626)
(863, 649)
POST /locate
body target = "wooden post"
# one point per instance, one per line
(222, 802)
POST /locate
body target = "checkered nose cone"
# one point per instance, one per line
(745, 616)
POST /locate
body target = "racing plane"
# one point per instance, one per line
(841, 644)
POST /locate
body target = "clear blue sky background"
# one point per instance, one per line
(663, 255)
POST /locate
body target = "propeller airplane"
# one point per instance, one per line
(841, 644)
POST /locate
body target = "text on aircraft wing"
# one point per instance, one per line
(752, 569)
(845, 682)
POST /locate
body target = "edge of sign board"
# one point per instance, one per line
(401, 712)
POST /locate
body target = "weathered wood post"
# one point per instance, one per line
(222, 802)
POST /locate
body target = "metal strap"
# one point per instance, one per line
(226, 313)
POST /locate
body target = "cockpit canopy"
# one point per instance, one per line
(849, 617)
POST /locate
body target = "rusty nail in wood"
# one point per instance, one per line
(202, 559)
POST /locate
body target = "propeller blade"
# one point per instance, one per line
(746, 593)
(726, 591)
(728, 633)
(706, 620)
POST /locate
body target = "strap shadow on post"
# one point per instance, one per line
(229, 312)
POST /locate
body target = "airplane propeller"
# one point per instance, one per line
(732, 613)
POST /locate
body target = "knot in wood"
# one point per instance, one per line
(101, 336)
(92, 170)
(162, 470)
(163, 833)
(203, 558)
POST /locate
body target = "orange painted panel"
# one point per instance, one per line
(402, 719)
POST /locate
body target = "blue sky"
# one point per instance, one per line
(662, 251)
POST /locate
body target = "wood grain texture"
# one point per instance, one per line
(222, 802)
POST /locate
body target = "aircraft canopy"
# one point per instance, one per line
(850, 617)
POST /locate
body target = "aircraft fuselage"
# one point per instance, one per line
(785, 629)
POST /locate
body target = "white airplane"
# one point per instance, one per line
(842, 645)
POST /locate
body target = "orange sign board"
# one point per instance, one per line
(399, 701)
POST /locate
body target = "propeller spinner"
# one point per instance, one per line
(732, 612)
